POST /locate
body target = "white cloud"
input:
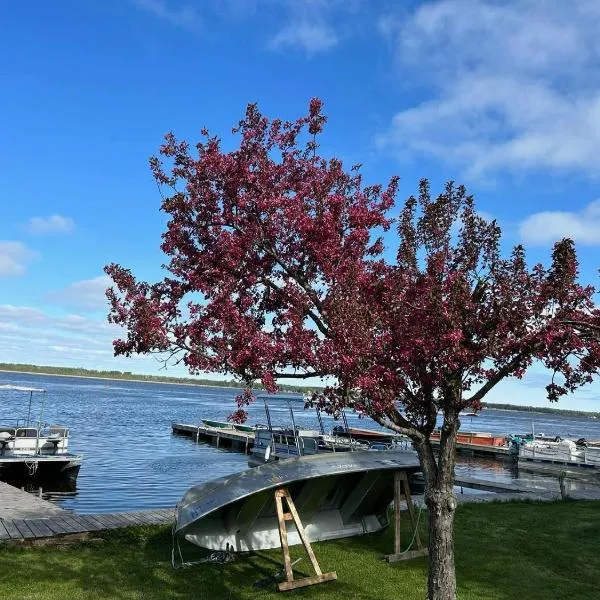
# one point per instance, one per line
(88, 294)
(313, 26)
(510, 86)
(14, 257)
(52, 224)
(311, 37)
(30, 335)
(547, 227)
(184, 17)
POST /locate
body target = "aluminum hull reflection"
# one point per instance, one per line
(337, 495)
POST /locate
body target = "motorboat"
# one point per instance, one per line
(337, 495)
(474, 438)
(273, 443)
(27, 436)
(32, 447)
(559, 451)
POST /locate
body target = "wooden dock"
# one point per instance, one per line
(66, 523)
(17, 504)
(24, 516)
(497, 452)
(241, 441)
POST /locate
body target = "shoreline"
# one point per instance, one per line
(592, 415)
(230, 387)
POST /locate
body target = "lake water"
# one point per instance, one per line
(132, 461)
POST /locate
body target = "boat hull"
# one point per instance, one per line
(475, 438)
(336, 495)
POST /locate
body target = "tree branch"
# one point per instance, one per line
(499, 376)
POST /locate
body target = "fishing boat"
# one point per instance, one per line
(33, 446)
(27, 436)
(366, 436)
(474, 438)
(336, 495)
(272, 443)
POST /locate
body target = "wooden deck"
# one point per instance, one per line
(230, 438)
(17, 504)
(23, 516)
(66, 524)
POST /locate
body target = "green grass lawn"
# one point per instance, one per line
(504, 551)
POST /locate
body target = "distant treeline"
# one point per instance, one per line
(544, 409)
(79, 372)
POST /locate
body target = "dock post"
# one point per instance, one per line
(562, 485)
(218, 438)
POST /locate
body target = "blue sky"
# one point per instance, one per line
(503, 97)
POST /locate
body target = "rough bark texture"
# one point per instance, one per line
(442, 578)
(441, 504)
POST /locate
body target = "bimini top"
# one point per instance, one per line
(19, 388)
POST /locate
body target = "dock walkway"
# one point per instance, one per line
(232, 438)
(23, 516)
(17, 504)
(66, 523)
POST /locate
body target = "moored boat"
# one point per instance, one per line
(474, 438)
(218, 424)
(34, 448)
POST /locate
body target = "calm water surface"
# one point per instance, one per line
(133, 462)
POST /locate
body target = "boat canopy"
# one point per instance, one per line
(19, 388)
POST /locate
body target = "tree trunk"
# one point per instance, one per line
(441, 582)
(441, 504)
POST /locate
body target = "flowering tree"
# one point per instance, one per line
(276, 270)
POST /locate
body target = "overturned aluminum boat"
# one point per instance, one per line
(337, 495)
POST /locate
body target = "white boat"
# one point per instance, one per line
(560, 451)
(27, 436)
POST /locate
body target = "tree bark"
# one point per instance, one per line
(441, 504)
(441, 583)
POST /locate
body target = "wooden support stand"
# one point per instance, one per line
(292, 515)
(400, 482)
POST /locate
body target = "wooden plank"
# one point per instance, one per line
(57, 525)
(407, 555)
(4, 535)
(83, 523)
(14, 533)
(40, 529)
(298, 583)
(397, 509)
(128, 519)
(22, 526)
(302, 534)
(92, 520)
(136, 518)
(169, 513)
(149, 518)
(101, 518)
(156, 517)
(72, 525)
(89, 523)
(411, 510)
(279, 494)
